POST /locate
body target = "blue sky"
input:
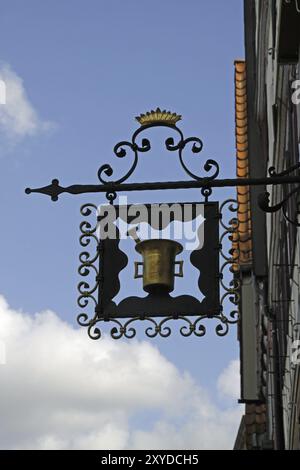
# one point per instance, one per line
(88, 68)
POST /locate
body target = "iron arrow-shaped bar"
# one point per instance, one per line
(54, 189)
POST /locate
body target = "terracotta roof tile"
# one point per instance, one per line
(244, 243)
(255, 422)
(255, 415)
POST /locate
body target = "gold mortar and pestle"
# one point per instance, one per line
(158, 263)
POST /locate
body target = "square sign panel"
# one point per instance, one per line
(163, 250)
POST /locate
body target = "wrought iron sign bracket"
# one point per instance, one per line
(54, 189)
(205, 182)
(158, 307)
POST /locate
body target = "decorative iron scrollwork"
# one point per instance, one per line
(121, 151)
(264, 198)
(88, 289)
(230, 255)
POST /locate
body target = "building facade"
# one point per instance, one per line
(267, 100)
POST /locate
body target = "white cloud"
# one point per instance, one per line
(229, 380)
(61, 390)
(18, 118)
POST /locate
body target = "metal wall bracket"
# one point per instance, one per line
(205, 181)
